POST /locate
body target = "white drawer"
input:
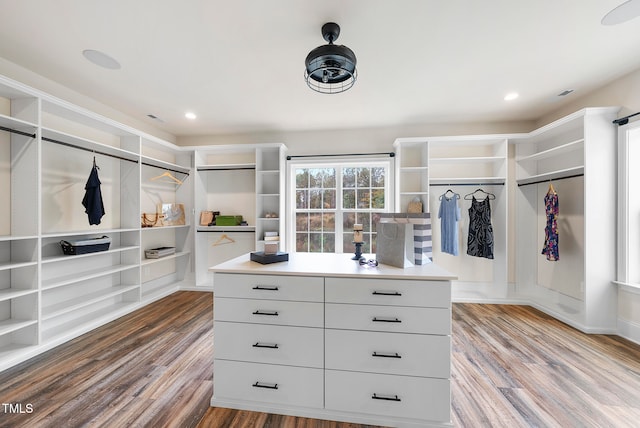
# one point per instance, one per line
(371, 291)
(299, 288)
(390, 353)
(396, 396)
(303, 314)
(292, 386)
(388, 318)
(295, 346)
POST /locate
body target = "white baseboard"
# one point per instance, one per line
(629, 330)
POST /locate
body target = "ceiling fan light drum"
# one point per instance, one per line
(331, 69)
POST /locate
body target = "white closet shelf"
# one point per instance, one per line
(269, 171)
(17, 124)
(469, 159)
(111, 250)
(269, 218)
(552, 175)
(414, 193)
(12, 293)
(178, 226)
(157, 163)
(555, 151)
(11, 325)
(16, 265)
(226, 228)
(146, 262)
(14, 349)
(86, 232)
(89, 144)
(72, 305)
(16, 238)
(70, 112)
(224, 167)
(468, 180)
(268, 194)
(84, 276)
(414, 168)
(86, 322)
(628, 286)
(155, 294)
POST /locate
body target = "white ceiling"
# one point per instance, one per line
(239, 64)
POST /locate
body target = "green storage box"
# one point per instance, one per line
(228, 220)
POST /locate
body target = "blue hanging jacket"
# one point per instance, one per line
(92, 200)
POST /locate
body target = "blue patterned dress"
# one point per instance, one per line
(480, 239)
(550, 248)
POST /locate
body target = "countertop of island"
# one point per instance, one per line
(332, 265)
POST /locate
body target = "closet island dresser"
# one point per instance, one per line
(321, 336)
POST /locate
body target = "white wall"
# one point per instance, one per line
(50, 87)
(364, 140)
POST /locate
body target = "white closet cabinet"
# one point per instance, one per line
(243, 180)
(577, 155)
(19, 202)
(429, 166)
(47, 150)
(321, 337)
(412, 173)
(166, 179)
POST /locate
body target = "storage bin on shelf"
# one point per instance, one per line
(228, 220)
(85, 246)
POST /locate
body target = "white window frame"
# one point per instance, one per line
(337, 162)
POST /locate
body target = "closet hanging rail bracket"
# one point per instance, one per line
(624, 120)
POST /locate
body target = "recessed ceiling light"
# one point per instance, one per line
(101, 59)
(511, 96)
(622, 13)
(190, 115)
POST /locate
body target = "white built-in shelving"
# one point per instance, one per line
(246, 180)
(412, 173)
(47, 150)
(429, 166)
(577, 155)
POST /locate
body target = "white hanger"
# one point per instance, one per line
(223, 239)
(168, 175)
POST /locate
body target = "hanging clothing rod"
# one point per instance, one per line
(390, 154)
(467, 184)
(624, 120)
(550, 180)
(15, 131)
(164, 168)
(51, 140)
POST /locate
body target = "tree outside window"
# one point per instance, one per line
(329, 200)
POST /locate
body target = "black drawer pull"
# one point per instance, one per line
(270, 313)
(394, 355)
(265, 385)
(376, 319)
(265, 345)
(264, 287)
(385, 293)
(382, 397)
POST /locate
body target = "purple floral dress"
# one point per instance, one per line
(550, 248)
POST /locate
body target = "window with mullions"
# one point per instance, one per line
(330, 199)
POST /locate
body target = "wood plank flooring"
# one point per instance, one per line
(512, 367)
